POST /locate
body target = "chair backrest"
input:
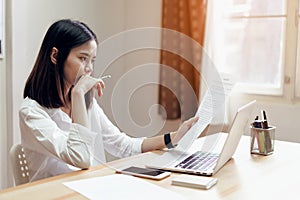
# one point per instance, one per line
(19, 164)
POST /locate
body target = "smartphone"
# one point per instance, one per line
(145, 172)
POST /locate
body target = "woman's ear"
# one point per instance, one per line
(53, 55)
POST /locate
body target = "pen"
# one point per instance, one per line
(106, 76)
(264, 122)
(256, 123)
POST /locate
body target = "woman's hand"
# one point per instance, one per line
(182, 130)
(86, 83)
(157, 142)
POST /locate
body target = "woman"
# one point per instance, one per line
(62, 129)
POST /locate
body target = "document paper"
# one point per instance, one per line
(119, 186)
(212, 103)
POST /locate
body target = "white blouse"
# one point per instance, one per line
(54, 145)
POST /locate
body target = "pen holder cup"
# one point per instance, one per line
(262, 140)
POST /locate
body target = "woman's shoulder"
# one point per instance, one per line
(30, 103)
(31, 106)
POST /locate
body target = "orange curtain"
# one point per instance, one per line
(177, 73)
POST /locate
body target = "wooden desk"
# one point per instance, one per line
(246, 176)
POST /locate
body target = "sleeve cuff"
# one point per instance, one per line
(83, 134)
(137, 145)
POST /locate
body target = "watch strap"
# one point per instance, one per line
(168, 142)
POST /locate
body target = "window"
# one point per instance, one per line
(249, 39)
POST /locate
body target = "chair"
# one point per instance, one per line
(19, 164)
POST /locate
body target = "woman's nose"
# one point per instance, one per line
(88, 69)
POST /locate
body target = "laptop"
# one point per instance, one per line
(209, 160)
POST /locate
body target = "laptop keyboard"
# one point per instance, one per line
(199, 161)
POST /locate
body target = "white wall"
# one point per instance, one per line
(3, 126)
(141, 68)
(3, 118)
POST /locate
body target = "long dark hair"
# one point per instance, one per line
(46, 82)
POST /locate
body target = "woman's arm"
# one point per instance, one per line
(79, 110)
(158, 142)
(44, 135)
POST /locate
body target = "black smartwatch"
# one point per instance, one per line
(168, 142)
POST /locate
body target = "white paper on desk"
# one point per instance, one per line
(119, 186)
(219, 87)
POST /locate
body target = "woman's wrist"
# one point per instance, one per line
(79, 112)
(169, 140)
(76, 92)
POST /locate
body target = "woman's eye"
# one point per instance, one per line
(83, 59)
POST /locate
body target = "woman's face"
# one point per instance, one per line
(80, 61)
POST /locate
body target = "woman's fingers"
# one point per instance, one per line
(99, 88)
(185, 126)
(102, 84)
(87, 82)
(190, 122)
